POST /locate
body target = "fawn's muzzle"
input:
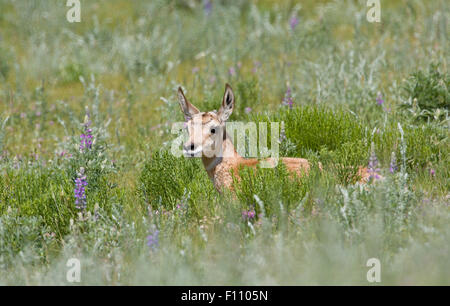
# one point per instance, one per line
(190, 150)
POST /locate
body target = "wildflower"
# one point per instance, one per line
(195, 70)
(373, 164)
(248, 214)
(259, 219)
(153, 240)
(23, 115)
(432, 172)
(232, 71)
(256, 65)
(86, 137)
(80, 190)
(248, 110)
(207, 7)
(251, 214)
(379, 99)
(393, 165)
(293, 22)
(212, 79)
(287, 100)
(181, 206)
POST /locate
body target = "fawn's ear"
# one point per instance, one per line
(227, 104)
(187, 108)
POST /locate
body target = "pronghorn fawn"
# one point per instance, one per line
(208, 139)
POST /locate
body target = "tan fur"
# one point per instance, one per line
(221, 169)
(222, 174)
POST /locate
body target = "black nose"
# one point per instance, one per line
(189, 147)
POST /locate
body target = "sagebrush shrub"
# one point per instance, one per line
(27, 235)
(275, 187)
(165, 179)
(313, 128)
(426, 144)
(40, 192)
(427, 94)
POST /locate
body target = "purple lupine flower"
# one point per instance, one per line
(248, 214)
(293, 22)
(153, 240)
(207, 7)
(232, 71)
(248, 110)
(393, 164)
(86, 137)
(373, 167)
(251, 214)
(432, 172)
(80, 190)
(379, 99)
(287, 100)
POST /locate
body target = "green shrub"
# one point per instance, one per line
(338, 138)
(426, 144)
(26, 235)
(166, 180)
(345, 162)
(335, 136)
(427, 94)
(275, 187)
(48, 193)
(313, 128)
(39, 192)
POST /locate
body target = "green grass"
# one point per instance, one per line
(123, 63)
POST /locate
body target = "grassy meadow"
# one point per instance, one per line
(86, 111)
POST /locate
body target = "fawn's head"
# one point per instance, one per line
(206, 130)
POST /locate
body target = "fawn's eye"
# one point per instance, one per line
(213, 131)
